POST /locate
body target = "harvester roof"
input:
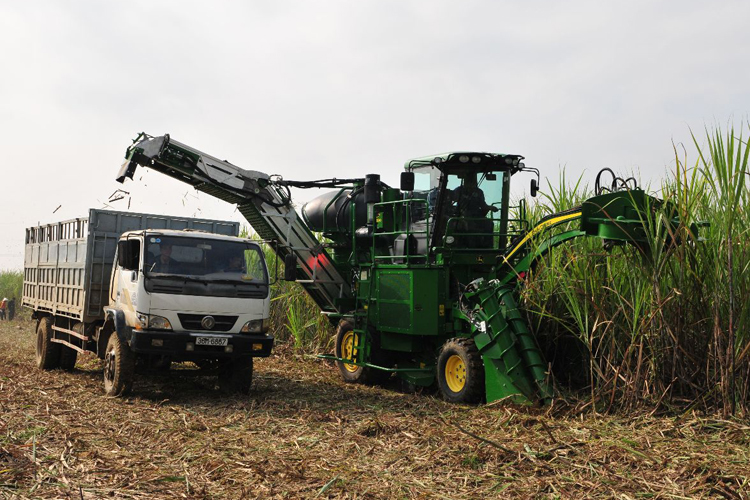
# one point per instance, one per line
(463, 161)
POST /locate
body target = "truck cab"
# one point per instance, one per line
(190, 296)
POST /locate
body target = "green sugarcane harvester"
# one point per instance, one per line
(421, 281)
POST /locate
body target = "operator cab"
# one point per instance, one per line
(466, 198)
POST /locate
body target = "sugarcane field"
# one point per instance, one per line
(303, 433)
(374, 250)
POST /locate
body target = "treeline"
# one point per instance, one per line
(11, 285)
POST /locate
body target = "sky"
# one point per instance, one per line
(323, 89)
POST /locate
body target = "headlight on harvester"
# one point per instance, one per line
(255, 326)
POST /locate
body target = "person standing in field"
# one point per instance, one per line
(3, 307)
(11, 308)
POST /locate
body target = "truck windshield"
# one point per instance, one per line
(207, 258)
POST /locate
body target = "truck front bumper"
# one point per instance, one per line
(186, 345)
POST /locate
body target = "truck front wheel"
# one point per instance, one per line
(47, 352)
(236, 375)
(460, 372)
(119, 367)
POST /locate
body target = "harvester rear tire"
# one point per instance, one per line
(47, 352)
(460, 372)
(353, 374)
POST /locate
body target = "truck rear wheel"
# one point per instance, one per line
(68, 356)
(236, 375)
(47, 352)
(119, 367)
(460, 372)
(346, 347)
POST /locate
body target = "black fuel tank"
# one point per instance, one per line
(336, 216)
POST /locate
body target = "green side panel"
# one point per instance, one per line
(408, 301)
(399, 342)
(394, 292)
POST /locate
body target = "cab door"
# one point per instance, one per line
(125, 277)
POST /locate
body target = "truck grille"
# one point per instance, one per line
(193, 322)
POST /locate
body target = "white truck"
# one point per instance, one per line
(142, 291)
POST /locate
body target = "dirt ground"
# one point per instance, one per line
(302, 433)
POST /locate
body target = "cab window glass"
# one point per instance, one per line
(128, 252)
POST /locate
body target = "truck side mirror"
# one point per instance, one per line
(534, 188)
(290, 267)
(407, 181)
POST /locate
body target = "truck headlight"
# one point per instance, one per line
(255, 326)
(159, 323)
(145, 321)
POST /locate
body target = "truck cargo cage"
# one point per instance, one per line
(68, 265)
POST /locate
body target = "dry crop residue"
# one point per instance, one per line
(304, 434)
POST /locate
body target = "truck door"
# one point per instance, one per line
(125, 276)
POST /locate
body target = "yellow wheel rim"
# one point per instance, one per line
(455, 373)
(349, 350)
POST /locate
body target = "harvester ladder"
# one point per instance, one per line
(361, 315)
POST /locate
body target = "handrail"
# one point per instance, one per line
(398, 221)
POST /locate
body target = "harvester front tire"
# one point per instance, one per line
(119, 367)
(460, 372)
(346, 339)
(47, 352)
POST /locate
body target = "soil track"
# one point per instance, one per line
(302, 433)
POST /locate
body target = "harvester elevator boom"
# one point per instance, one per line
(264, 203)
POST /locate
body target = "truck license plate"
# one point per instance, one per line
(216, 341)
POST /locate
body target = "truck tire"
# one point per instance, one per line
(236, 375)
(346, 341)
(47, 352)
(460, 372)
(119, 367)
(68, 356)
